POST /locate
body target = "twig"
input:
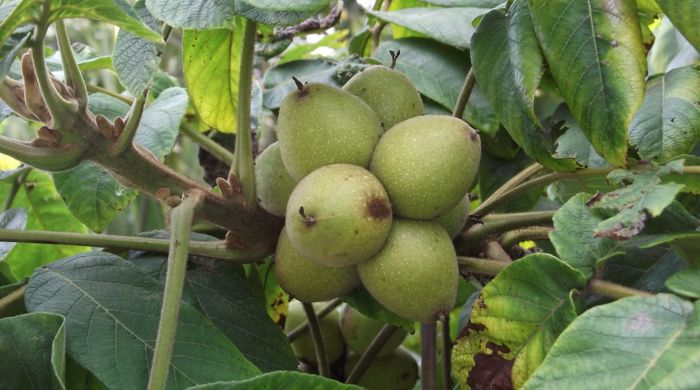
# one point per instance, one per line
(11, 298)
(379, 25)
(496, 200)
(614, 290)
(182, 217)
(213, 249)
(464, 94)
(499, 223)
(16, 185)
(49, 159)
(97, 88)
(370, 353)
(311, 24)
(207, 143)
(514, 237)
(304, 326)
(317, 337)
(495, 251)
(601, 287)
(428, 351)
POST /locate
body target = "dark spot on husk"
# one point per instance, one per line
(473, 135)
(378, 208)
(491, 370)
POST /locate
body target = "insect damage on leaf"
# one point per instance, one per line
(645, 195)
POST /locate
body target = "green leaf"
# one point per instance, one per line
(687, 244)
(668, 122)
(633, 343)
(573, 142)
(508, 66)
(516, 319)
(286, 380)
(15, 219)
(220, 291)
(160, 122)
(212, 63)
(32, 349)
(45, 211)
(684, 15)
(574, 235)
(92, 194)
(108, 106)
(686, 283)
(438, 72)
(135, 59)
(204, 14)
(466, 3)
(116, 12)
(10, 48)
(644, 196)
(645, 269)
(362, 301)
(111, 319)
(595, 53)
(451, 26)
(670, 50)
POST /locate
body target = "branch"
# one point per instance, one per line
(207, 143)
(370, 353)
(496, 200)
(243, 161)
(446, 352)
(213, 249)
(312, 24)
(49, 159)
(304, 326)
(598, 286)
(464, 94)
(428, 354)
(73, 76)
(182, 217)
(317, 337)
(499, 223)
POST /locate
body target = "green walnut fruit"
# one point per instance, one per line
(309, 281)
(303, 345)
(339, 215)
(321, 125)
(359, 330)
(415, 274)
(273, 183)
(396, 371)
(390, 93)
(453, 221)
(427, 164)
